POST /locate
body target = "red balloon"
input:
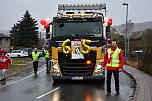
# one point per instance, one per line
(109, 23)
(110, 19)
(43, 22)
(46, 26)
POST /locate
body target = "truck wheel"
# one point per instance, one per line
(18, 56)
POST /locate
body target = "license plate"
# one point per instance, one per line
(77, 78)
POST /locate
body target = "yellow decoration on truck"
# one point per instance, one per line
(66, 49)
(86, 48)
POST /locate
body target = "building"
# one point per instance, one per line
(5, 42)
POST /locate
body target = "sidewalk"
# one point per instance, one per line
(143, 91)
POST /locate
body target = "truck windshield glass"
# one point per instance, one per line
(80, 28)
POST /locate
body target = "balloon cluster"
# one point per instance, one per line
(45, 23)
(107, 22)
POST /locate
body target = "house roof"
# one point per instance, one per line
(4, 36)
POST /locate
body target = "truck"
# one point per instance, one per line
(77, 41)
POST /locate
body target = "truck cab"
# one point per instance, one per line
(77, 41)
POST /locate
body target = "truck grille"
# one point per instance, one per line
(77, 67)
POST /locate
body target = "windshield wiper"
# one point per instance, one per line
(87, 35)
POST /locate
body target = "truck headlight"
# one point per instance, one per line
(98, 68)
(55, 68)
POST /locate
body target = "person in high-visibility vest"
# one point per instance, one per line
(113, 61)
(47, 59)
(35, 57)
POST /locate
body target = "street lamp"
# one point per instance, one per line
(129, 33)
(126, 4)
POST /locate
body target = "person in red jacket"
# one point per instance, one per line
(5, 61)
(113, 61)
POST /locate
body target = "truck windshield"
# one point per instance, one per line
(80, 28)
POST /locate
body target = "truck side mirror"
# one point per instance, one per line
(47, 35)
(108, 35)
(48, 29)
(108, 29)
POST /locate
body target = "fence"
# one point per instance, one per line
(143, 61)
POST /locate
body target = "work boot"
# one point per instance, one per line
(1, 79)
(108, 93)
(35, 72)
(117, 93)
(4, 79)
(48, 72)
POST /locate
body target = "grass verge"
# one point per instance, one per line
(18, 65)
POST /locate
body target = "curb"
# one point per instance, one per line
(133, 85)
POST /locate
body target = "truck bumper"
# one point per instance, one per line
(99, 77)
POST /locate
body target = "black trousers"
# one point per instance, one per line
(47, 64)
(35, 66)
(116, 77)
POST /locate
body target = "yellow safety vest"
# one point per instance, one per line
(47, 55)
(115, 58)
(35, 56)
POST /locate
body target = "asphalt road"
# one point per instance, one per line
(42, 88)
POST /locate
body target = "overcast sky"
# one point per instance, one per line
(12, 11)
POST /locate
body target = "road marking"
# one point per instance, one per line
(23, 78)
(47, 93)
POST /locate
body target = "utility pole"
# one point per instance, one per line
(129, 35)
(126, 4)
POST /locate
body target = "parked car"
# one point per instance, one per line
(138, 52)
(41, 52)
(17, 53)
(28, 50)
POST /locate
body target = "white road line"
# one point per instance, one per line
(21, 79)
(47, 93)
